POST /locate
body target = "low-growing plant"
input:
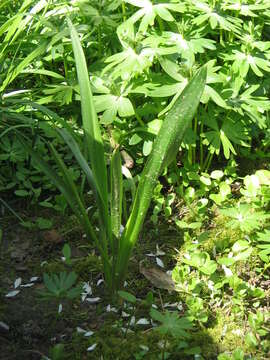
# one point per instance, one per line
(115, 245)
(172, 326)
(60, 286)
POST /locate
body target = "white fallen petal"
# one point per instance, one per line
(17, 283)
(84, 296)
(63, 258)
(60, 308)
(125, 284)
(180, 306)
(154, 306)
(227, 271)
(34, 278)
(159, 252)
(125, 315)
(88, 333)
(87, 288)
(92, 347)
(100, 281)
(4, 326)
(151, 254)
(93, 300)
(27, 285)
(143, 347)
(142, 321)
(125, 330)
(110, 308)
(159, 262)
(174, 305)
(132, 321)
(80, 330)
(169, 272)
(12, 293)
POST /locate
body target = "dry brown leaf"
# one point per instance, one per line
(52, 236)
(158, 278)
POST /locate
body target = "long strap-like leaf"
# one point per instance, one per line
(166, 143)
(90, 120)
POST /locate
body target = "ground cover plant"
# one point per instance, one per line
(197, 285)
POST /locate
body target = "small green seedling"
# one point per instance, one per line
(60, 286)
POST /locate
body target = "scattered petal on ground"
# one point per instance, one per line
(12, 293)
(34, 278)
(93, 300)
(4, 326)
(159, 262)
(27, 285)
(17, 283)
(100, 281)
(88, 333)
(60, 308)
(159, 252)
(87, 288)
(92, 347)
(110, 308)
(132, 320)
(125, 330)
(125, 315)
(142, 321)
(143, 347)
(80, 330)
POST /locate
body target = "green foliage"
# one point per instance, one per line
(109, 238)
(171, 324)
(60, 286)
(141, 55)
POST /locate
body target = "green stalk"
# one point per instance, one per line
(201, 145)
(195, 131)
(124, 10)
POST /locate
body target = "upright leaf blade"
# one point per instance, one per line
(166, 143)
(90, 121)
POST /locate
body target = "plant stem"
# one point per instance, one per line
(195, 131)
(124, 10)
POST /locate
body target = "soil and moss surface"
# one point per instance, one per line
(33, 328)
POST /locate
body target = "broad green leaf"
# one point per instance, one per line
(164, 150)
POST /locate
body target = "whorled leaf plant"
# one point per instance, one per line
(115, 247)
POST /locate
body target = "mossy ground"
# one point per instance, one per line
(35, 325)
